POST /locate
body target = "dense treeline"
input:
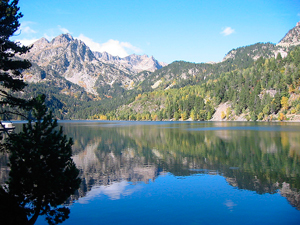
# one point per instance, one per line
(76, 103)
(268, 89)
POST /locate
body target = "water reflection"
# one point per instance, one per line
(263, 158)
(115, 157)
(114, 191)
(230, 204)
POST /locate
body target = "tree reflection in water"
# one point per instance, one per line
(263, 158)
(42, 173)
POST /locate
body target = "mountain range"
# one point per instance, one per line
(109, 81)
(66, 58)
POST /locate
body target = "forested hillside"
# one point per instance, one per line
(74, 103)
(268, 89)
(262, 89)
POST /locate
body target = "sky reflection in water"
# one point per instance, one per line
(205, 199)
(114, 191)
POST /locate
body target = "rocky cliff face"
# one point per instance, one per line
(66, 58)
(132, 63)
(292, 38)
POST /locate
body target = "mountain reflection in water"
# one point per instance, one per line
(264, 158)
(125, 166)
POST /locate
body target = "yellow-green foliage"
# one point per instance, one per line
(281, 117)
(284, 102)
(223, 115)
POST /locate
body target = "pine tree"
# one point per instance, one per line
(11, 67)
(43, 174)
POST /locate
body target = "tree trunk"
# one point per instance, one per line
(36, 214)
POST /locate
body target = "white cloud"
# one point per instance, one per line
(64, 30)
(27, 42)
(227, 31)
(26, 29)
(113, 47)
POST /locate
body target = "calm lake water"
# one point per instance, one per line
(185, 173)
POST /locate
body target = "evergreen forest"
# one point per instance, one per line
(267, 89)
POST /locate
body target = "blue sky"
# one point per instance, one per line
(169, 30)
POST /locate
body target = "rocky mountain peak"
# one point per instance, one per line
(292, 38)
(66, 58)
(62, 39)
(106, 57)
(42, 41)
(39, 44)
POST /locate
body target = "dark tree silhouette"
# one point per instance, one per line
(43, 174)
(10, 65)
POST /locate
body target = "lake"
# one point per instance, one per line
(185, 173)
